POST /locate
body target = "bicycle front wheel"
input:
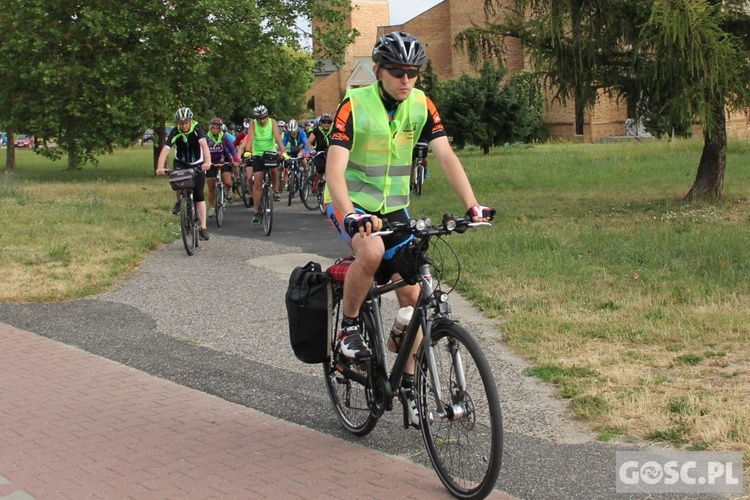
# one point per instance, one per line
(292, 182)
(267, 209)
(418, 178)
(464, 433)
(219, 202)
(321, 191)
(311, 199)
(347, 381)
(303, 186)
(187, 227)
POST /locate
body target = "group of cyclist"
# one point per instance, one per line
(368, 167)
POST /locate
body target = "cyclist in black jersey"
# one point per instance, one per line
(319, 140)
(191, 151)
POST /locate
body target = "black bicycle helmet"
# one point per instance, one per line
(326, 117)
(399, 47)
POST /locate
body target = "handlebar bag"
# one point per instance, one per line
(182, 179)
(309, 304)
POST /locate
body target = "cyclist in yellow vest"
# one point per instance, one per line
(368, 170)
(262, 135)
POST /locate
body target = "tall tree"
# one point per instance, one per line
(691, 55)
(91, 74)
(490, 110)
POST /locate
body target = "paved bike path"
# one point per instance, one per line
(232, 356)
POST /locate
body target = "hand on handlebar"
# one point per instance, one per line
(362, 224)
(479, 213)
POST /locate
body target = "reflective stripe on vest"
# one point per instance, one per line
(379, 167)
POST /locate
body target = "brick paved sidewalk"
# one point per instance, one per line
(73, 424)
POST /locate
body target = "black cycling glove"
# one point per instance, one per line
(354, 221)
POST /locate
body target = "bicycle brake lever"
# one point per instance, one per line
(381, 233)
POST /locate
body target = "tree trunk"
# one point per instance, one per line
(73, 160)
(709, 181)
(10, 159)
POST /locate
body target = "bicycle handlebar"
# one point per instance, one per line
(424, 227)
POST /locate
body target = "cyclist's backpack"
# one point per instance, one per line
(308, 305)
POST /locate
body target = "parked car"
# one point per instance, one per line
(148, 136)
(22, 141)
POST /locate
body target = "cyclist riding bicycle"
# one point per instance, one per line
(222, 150)
(262, 135)
(295, 140)
(319, 140)
(368, 169)
(191, 151)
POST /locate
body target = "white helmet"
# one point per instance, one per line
(292, 126)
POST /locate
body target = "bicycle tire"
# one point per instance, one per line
(465, 450)
(348, 397)
(246, 195)
(311, 200)
(303, 186)
(319, 194)
(418, 178)
(267, 209)
(292, 182)
(187, 226)
(219, 202)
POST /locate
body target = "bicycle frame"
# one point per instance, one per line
(422, 319)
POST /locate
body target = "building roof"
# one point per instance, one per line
(362, 73)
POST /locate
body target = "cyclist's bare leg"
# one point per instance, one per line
(226, 177)
(275, 179)
(369, 252)
(200, 211)
(249, 174)
(258, 181)
(211, 183)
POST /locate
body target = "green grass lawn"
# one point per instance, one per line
(630, 300)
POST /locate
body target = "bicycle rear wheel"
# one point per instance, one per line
(266, 208)
(465, 441)
(187, 227)
(311, 200)
(292, 182)
(348, 389)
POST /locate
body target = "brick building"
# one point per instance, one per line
(436, 28)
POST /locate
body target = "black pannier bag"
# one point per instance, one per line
(182, 179)
(308, 306)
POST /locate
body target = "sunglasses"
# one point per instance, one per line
(326, 122)
(263, 117)
(400, 72)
